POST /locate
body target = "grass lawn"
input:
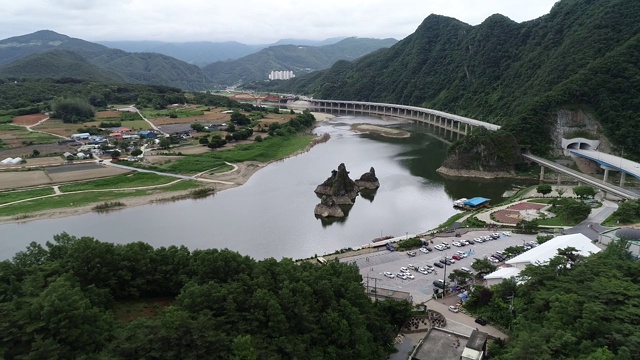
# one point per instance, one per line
(22, 134)
(272, 148)
(136, 179)
(179, 112)
(82, 199)
(7, 197)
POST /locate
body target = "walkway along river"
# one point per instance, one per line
(272, 214)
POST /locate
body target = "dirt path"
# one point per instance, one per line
(29, 128)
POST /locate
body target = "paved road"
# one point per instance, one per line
(615, 190)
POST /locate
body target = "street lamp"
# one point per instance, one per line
(444, 281)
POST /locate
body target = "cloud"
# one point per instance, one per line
(248, 21)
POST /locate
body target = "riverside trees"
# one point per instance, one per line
(57, 301)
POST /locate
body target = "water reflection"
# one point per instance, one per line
(272, 214)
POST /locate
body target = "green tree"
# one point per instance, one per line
(544, 189)
(72, 110)
(197, 127)
(483, 266)
(36, 152)
(165, 143)
(204, 141)
(527, 227)
(239, 119)
(459, 276)
(560, 191)
(115, 154)
(584, 192)
(136, 152)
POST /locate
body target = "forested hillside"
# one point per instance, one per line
(21, 53)
(80, 298)
(37, 95)
(58, 64)
(583, 54)
(297, 58)
(572, 308)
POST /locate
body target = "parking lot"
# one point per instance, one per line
(373, 265)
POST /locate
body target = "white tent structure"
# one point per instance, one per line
(497, 276)
(6, 161)
(545, 252)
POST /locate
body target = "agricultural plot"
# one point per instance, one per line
(15, 136)
(56, 126)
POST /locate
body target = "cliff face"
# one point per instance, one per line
(340, 186)
(368, 180)
(328, 208)
(484, 151)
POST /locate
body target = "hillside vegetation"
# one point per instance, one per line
(300, 59)
(82, 298)
(28, 56)
(583, 54)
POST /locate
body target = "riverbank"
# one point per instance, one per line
(380, 130)
(477, 174)
(220, 182)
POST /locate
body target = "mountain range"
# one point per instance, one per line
(203, 53)
(582, 56)
(48, 54)
(300, 59)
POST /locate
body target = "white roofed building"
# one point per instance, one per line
(541, 254)
(503, 273)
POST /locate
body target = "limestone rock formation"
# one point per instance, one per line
(328, 208)
(368, 180)
(339, 186)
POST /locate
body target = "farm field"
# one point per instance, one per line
(56, 126)
(28, 120)
(15, 136)
(131, 124)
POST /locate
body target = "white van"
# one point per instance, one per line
(466, 270)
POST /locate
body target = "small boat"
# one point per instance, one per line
(459, 202)
(382, 238)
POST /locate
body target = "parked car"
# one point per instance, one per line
(455, 243)
(404, 269)
(424, 250)
(506, 233)
(389, 275)
(465, 242)
(456, 257)
(402, 276)
(411, 253)
(410, 276)
(449, 261)
(481, 321)
(478, 240)
(423, 271)
(454, 309)
(429, 267)
(438, 264)
(412, 267)
(428, 248)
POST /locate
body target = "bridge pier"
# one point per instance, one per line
(622, 178)
(606, 175)
(559, 179)
(541, 172)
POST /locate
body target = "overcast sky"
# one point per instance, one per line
(247, 21)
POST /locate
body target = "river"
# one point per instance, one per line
(272, 214)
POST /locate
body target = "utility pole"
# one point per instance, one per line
(444, 291)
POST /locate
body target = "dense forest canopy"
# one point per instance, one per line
(572, 308)
(58, 301)
(583, 54)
